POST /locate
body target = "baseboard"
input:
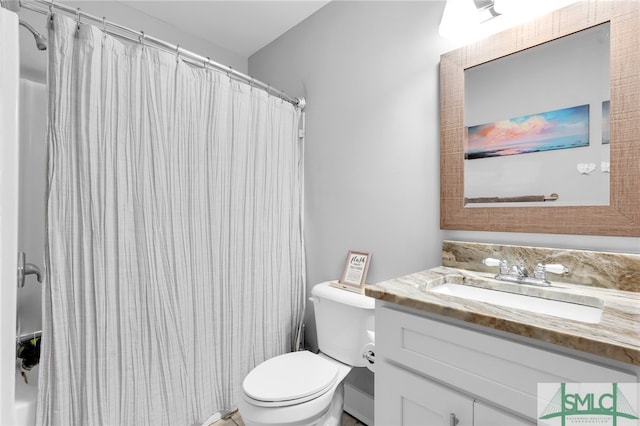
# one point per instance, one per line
(358, 404)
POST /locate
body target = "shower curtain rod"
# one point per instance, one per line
(191, 57)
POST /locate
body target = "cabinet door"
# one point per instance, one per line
(407, 399)
(493, 368)
(484, 415)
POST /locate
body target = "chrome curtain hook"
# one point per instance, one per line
(141, 39)
(78, 18)
(177, 53)
(206, 63)
(104, 30)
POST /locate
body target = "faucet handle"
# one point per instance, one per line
(25, 269)
(490, 261)
(556, 268)
(504, 266)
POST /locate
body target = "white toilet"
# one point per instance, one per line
(303, 388)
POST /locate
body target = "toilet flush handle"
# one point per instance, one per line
(313, 300)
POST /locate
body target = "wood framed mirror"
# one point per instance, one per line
(621, 217)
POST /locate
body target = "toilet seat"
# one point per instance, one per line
(289, 379)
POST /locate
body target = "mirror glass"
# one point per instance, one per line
(537, 125)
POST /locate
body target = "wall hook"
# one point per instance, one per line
(586, 168)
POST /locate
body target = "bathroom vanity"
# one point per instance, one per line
(455, 346)
(445, 360)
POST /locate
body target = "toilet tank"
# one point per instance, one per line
(342, 321)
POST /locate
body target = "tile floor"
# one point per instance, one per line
(234, 419)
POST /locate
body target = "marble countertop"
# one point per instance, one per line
(616, 336)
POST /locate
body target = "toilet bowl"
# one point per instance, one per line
(303, 388)
(298, 388)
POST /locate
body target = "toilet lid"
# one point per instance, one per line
(290, 377)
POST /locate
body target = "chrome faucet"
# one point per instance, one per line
(518, 273)
(519, 270)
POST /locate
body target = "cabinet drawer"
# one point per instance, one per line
(493, 368)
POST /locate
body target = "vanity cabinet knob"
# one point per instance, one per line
(453, 420)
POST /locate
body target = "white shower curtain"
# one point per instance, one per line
(174, 254)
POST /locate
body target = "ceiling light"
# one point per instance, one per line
(506, 7)
(529, 7)
(459, 16)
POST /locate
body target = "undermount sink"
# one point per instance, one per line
(540, 305)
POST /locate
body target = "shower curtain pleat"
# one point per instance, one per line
(174, 247)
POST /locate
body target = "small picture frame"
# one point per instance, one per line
(355, 271)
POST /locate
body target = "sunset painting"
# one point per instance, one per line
(559, 129)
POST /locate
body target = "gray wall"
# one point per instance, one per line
(369, 71)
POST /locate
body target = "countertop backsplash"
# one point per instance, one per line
(617, 271)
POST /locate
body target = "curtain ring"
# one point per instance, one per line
(104, 30)
(177, 53)
(205, 63)
(141, 39)
(78, 18)
(51, 11)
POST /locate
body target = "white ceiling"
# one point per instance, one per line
(241, 26)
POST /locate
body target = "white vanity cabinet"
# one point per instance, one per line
(431, 372)
(486, 415)
(406, 398)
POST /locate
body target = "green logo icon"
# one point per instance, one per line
(566, 404)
